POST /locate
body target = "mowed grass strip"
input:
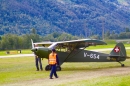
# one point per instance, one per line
(13, 52)
(116, 80)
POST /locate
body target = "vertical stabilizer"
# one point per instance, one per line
(118, 50)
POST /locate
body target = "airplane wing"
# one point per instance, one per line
(44, 44)
(81, 43)
(73, 44)
(85, 41)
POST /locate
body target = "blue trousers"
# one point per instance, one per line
(53, 71)
(38, 62)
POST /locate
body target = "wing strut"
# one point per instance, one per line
(79, 51)
(73, 55)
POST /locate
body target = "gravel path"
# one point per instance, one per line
(75, 77)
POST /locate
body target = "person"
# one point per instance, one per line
(53, 61)
(38, 62)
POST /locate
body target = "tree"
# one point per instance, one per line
(33, 31)
(128, 35)
(127, 30)
(122, 35)
(95, 37)
(113, 35)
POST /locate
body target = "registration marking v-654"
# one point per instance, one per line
(92, 55)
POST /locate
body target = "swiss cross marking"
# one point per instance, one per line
(117, 49)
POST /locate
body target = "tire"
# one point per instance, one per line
(122, 65)
(48, 67)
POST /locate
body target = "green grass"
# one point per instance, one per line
(27, 51)
(117, 80)
(12, 52)
(22, 69)
(18, 69)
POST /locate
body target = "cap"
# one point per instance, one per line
(53, 50)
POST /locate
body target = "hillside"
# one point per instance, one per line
(77, 17)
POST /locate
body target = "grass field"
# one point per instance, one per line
(122, 80)
(12, 52)
(21, 69)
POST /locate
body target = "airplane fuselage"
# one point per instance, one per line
(86, 56)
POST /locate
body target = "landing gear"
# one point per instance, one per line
(122, 65)
(48, 67)
(118, 60)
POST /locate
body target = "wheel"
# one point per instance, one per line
(122, 65)
(58, 68)
(48, 67)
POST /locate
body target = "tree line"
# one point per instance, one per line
(13, 41)
(113, 35)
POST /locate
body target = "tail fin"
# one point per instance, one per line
(32, 44)
(118, 51)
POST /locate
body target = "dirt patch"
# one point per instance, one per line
(75, 77)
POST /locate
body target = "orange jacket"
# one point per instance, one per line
(52, 58)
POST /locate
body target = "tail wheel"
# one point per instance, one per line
(122, 65)
(48, 67)
(58, 68)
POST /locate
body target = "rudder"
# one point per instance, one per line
(119, 52)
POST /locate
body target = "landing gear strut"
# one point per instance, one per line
(118, 60)
(122, 65)
(48, 67)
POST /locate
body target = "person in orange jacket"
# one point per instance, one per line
(53, 61)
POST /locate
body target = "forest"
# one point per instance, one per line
(13, 41)
(75, 17)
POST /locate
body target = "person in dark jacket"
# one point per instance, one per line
(38, 63)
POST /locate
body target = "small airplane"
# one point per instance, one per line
(74, 51)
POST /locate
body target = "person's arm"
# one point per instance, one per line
(57, 59)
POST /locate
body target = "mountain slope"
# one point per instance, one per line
(77, 17)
